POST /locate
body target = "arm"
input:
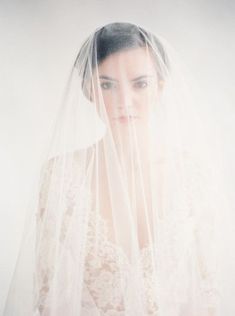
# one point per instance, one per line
(45, 240)
(205, 235)
(60, 193)
(207, 268)
(203, 197)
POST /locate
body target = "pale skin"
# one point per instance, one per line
(129, 84)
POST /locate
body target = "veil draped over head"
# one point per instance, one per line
(126, 219)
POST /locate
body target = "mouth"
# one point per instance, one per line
(125, 118)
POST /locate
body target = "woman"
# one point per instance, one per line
(127, 211)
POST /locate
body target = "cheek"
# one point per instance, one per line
(148, 100)
(102, 100)
(108, 104)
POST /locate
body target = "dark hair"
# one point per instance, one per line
(115, 37)
(120, 36)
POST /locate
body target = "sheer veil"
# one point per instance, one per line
(127, 216)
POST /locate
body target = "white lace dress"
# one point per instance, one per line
(106, 291)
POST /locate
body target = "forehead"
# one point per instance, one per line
(136, 61)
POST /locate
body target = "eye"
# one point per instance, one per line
(141, 84)
(107, 85)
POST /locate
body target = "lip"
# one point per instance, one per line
(126, 118)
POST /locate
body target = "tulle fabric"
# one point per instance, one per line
(125, 220)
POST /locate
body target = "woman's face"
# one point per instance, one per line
(126, 85)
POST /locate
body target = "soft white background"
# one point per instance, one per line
(39, 40)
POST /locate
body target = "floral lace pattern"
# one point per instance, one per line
(109, 273)
(109, 276)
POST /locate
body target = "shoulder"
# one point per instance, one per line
(65, 166)
(77, 156)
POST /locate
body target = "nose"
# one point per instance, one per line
(125, 100)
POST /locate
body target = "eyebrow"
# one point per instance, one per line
(135, 79)
(107, 78)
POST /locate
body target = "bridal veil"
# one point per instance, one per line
(126, 220)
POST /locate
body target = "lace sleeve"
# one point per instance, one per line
(207, 267)
(205, 238)
(55, 213)
(45, 246)
(48, 226)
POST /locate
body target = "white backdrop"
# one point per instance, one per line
(39, 40)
